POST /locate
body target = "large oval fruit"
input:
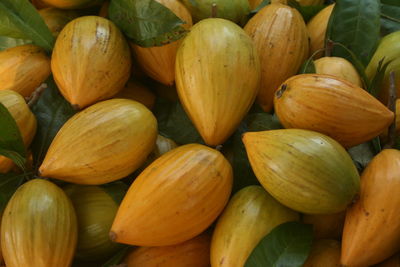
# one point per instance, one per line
(326, 225)
(39, 227)
(338, 67)
(324, 253)
(304, 170)
(372, 226)
(331, 106)
(159, 61)
(280, 35)
(175, 198)
(71, 4)
(56, 19)
(23, 68)
(105, 142)
(24, 119)
(91, 60)
(316, 28)
(250, 215)
(192, 253)
(216, 88)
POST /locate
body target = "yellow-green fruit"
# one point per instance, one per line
(250, 215)
(304, 170)
(23, 68)
(324, 253)
(316, 28)
(56, 19)
(71, 4)
(326, 225)
(217, 77)
(338, 67)
(91, 61)
(95, 210)
(39, 227)
(103, 143)
(24, 118)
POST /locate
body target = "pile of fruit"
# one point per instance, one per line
(196, 133)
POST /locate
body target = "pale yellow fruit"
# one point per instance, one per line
(338, 67)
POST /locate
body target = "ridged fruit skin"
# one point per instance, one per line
(138, 92)
(56, 19)
(23, 68)
(338, 67)
(250, 215)
(324, 253)
(216, 88)
(24, 119)
(372, 227)
(95, 211)
(280, 35)
(175, 198)
(159, 61)
(71, 4)
(316, 28)
(192, 253)
(322, 103)
(39, 227)
(388, 48)
(326, 226)
(304, 170)
(103, 143)
(391, 262)
(91, 61)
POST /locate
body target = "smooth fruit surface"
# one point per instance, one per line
(316, 28)
(338, 67)
(56, 19)
(324, 253)
(326, 226)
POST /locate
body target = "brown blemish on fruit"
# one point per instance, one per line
(280, 92)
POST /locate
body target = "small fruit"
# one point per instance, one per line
(39, 227)
(56, 19)
(163, 145)
(316, 28)
(331, 106)
(371, 231)
(338, 67)
(175, 198)
(215, 88)
(139, 92)
(103, 143)
(324, 253)
(71, 4)
(250, 215)
(304, 170)
(23, 68)
(91, 61)
(326, 226)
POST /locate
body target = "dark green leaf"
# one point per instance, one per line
(362, 154)
(117, 258)
(308, 67)
(146, 22)
(116, 190)
(8, 185)
(377, 80)
(51, 111)
(356, 25)
(376, 143)
(20, 19)
(306, 11)
(8, 42)
(391, 2)
(390, 17)
(287, 245)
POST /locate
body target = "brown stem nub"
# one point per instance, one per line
(214, 10)
(36, 95)
(329, 48)
(392, 106)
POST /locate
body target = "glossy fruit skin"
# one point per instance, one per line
(24, 119)
(250, 215)
(217, 89)
(23, 68)
(175, 198)
(393, 261)
(103, 143)
(91, 61)
(71, 4)
(338, 67)
(322, 103)
(56, 19)
(304, 170)
(326, 226)
(159, 61)
(280, 35)
(192, 253)
(372, 227)
(324, 253)
(39, 227)
(316, 28)
(138, 92)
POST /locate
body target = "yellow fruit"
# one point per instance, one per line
(391, 262)
(39, 227)
(23, 68)
(371, 231)
(139, 92)
(163, 145)
(56, 19)
(250, 215)
(326, 225)
(324, 253)
(280, 35)
(102, 143)
(175, 198)
(159, 61)
(304, 170)
(192, 253)
(91, 61)
(216, 88)
(316, 28)
(255, 3)
(39, 4)
(331, 106)
(71, 4)
(24, 118)
(338, 67)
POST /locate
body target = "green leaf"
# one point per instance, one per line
(356, 25)
(117, 258)
(306, 11)
(391, 2)
(378, 79)
(51, 111)
(362, 154)
(8, 42)
(286, 245)
(20, 19)
(116, 190)
(390, 17)
(146, 22)
(308, 66)
(9, 183)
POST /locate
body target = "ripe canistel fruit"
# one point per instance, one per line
(103, 143)
(217, 77)
(91, 61)
(175, 198)
(304, 170)
(316, 28)
(338, 67)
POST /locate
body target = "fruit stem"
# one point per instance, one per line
(36, 95)
(329, 48)
(392, 106)
(214, 10)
